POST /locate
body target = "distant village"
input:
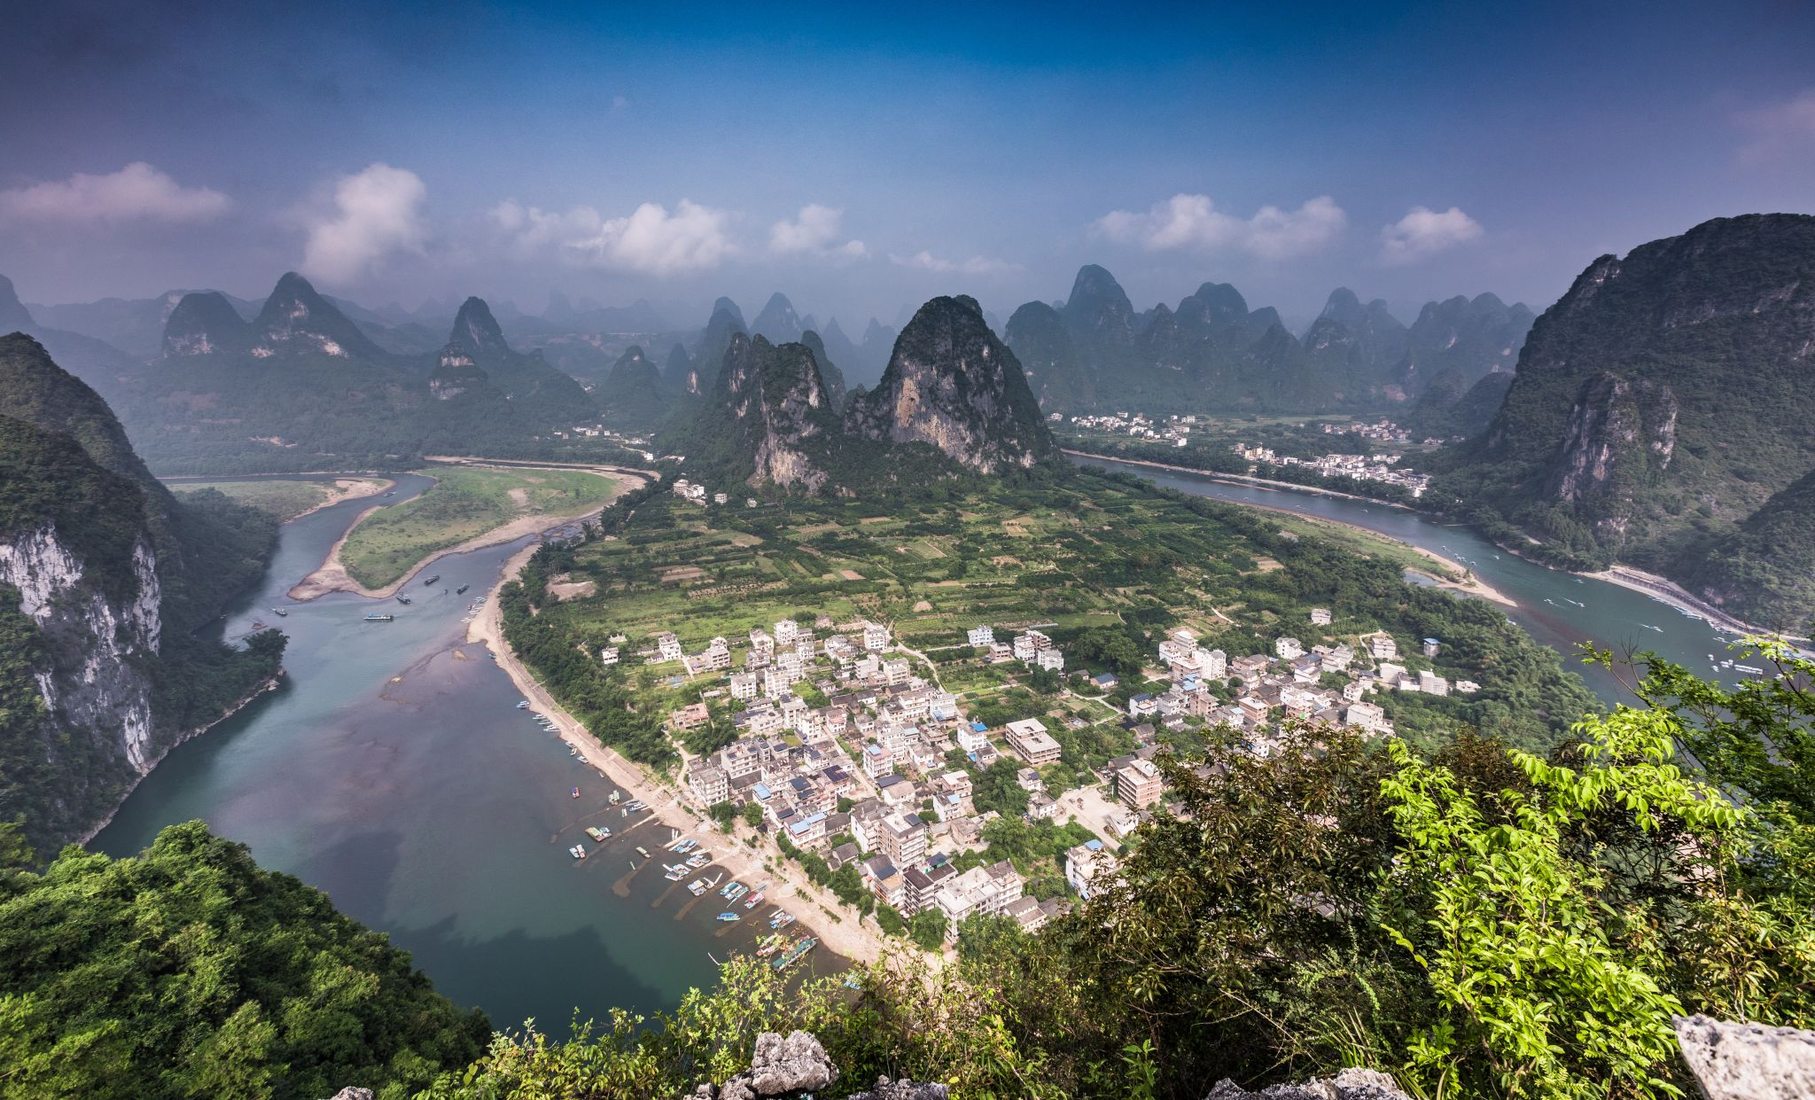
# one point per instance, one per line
(868, 778)
(1176, 430)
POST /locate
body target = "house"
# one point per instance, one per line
(1029, 780)
(1105, 680)
(1320, 616)
(1000, 654)
(1467, 687)
(667, 647)
(689, 717)
(1050, 659)
(785, 631)
(982, 637)
(1432, 684)
(973, 737)
(875, 637)
(1212, 663)
(1041, 806)
(1139, 784)
(1365, 716)
(708, 782)
(1287, 649)
(979, 890)
(903, 838)
(1084, 863)
(609, 655)
(1382, 647)
(923, 884)
(1430, 648)
(1029, 739)
(743, 686)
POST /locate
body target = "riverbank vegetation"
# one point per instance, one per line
(464, 503)
(1481, 922)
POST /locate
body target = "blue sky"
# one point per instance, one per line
(864, 161)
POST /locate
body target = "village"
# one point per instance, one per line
(879, 771)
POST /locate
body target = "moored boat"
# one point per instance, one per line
(578, 851)
(756, 899)
(280, 613)
(461, 591)
(729, 917)
(598, 835)
(379, 618)
(794, 954)
(431, 580)
(642, 851)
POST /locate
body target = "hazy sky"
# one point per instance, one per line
(864, 162)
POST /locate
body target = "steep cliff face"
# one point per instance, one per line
(1665, 399)
(780, 414)
(952, 384)
(80, 603)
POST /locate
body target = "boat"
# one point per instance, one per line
(698, 860)
(576, 793)
(1754, 670)
(767, 946)
(729, 917)
(598, 835)
(736, 890)
(756, 899)
(404, 600)
(461, 591)
(794, 954)
(280, 613)
(379, 618)
(431, 580)
(781, 919)
(697, 887)
(642, 851)
(616, 797)
(523, 705)
(677, 872)
(636, 804)
(578, 851)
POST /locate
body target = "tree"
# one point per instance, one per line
(753, 814)
(927, 929)
(724, 813)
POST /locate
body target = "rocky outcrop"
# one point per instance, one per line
(953, 385)
(1619, 441)
(781, 413)
(1350, 1084)
(1736, 1061)
(456, 375)
(781, 1067)
(297, 319)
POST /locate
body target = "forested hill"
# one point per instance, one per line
(1663, 414)
(105, 579)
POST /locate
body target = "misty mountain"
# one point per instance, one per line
(633, 396)
(828, 370)
(100, 364)
(777, 322)
(726, 321)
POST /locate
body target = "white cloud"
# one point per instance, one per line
(1779, 127)
(649, 241)
(1425, 232)
(814, 233)
(1193, 222)
(376, 211)
(137, 192)
(976, 265)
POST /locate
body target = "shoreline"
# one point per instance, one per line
(847, 936)
(264, 688)
(332, 576)
(1671, 594)
(1240, 479)
(349, 488)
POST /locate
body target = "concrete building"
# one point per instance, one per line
(982, 637)
(1085, 863)
(1031, 742)
(1138, 784)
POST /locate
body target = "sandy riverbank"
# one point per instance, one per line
(1669, 592)
(332, 575)
(789, 886)
(349, 488)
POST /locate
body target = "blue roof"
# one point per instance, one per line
(761, 790)
(1142, 697)
(1105, 678)
(1430, 641)
(979, 727)
(1094, 845)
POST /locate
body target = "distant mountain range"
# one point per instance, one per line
(1663, 414)
(1213, 353)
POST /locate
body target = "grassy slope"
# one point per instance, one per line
(464, 504)
(283, 499)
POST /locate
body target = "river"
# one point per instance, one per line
(393, 771)
(1559, 609)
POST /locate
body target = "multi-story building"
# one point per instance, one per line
(875, 637)
(1138, 783)
(903, 838)
(785, 631)
(668, 647)
(982, 637)
(1031, 742)
(708, 782)
(1085, 863)
(743, 686)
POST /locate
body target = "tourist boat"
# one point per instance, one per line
(461, 591)
(576, 793)
(379, 618)
(677, 872)
(616, 796)
(431, 580)
(523, 704)
(404, 600)
(280, 613)
(734, 891)
(598, 835)
(781, 919)
(1749, 668)
(767, 945)
(698, 860)
(697, 887)
(642, 851)
(635, 805)
(578, 851)
(729, 917)
(756, 899)
(794, 954)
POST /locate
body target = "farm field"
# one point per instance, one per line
(466, 502)
(283, 499)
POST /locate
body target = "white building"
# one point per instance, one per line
(1320, 616)
(668, 647)
(1085, 863)
(1050, 659)
(982, 637)
(1383, 647)
(1287, 649)
(875, 637)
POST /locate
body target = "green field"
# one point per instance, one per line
(283, 499)
(1090, 563)
(464, 503)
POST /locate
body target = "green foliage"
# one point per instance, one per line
(927, 929)
(187, 971)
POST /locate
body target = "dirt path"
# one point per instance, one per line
(789, 887)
